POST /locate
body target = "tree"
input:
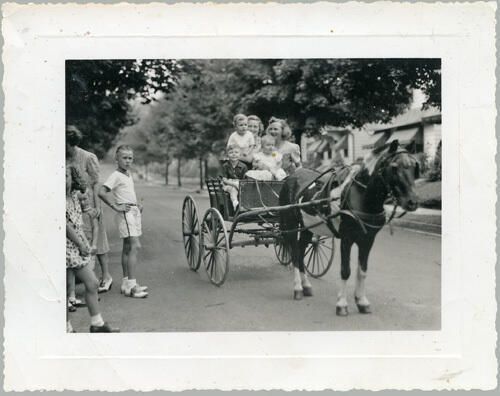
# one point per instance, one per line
(344, 92)
(99, 94)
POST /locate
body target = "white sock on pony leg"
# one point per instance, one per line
(342, 295)
(305, 280)
(297, 281)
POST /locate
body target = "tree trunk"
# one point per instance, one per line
(179, 183)
(201, 173)
(205, 162)
(167, 160)
(146, 171)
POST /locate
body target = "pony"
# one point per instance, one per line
(355, 218)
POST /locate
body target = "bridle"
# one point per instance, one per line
(380, 169)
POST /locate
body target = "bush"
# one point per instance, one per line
(435, 171)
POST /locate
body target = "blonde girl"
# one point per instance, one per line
(256, 126)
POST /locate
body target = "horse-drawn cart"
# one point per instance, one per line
(254, 223)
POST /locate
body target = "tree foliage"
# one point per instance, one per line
(200, 97)
(344, 92)
(99, 94)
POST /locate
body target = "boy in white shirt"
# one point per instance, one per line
(242, 138)
(128, 218)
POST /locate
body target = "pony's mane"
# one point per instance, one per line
(371, 159)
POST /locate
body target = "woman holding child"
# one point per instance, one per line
(281, 132)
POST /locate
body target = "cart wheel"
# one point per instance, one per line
(318, 256)
(191, 233)
(283, 253)
(215, 245)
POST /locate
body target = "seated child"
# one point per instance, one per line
(267, 163)
(232, 171)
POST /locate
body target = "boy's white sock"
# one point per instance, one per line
(69, 327)
(131, 283)
(96, 320)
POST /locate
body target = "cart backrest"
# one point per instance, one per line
(258, 194)
(219, 199)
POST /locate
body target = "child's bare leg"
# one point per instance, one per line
(87, 276)
(134, 246)
(70, 284)
(104, 263)
(125, 256)
(233, 193)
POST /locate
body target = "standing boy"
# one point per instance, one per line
(128, 218)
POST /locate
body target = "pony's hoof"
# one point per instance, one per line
(364, 309)
(307, 291)
(298, 294)
(342, 311)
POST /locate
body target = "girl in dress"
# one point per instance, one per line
(78, 252)
(256, 126)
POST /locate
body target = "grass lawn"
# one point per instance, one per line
(429, 194)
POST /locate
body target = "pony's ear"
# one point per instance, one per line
(394, 146)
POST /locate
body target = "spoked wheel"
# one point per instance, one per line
(283, 253)
(215, 245)
(318, 256)
(191, 233)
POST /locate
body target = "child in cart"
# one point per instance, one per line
(242, 138)
(267, 164)
(232, 171)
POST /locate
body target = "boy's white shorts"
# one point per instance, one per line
(129, 223)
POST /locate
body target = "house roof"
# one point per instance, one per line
(412, 116)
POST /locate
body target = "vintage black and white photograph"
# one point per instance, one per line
(211, 195)
(249, 196)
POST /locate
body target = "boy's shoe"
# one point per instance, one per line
(105, 328)
(135, 292)
(123, 288)
(105, 286)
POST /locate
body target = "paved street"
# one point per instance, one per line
(403, 283)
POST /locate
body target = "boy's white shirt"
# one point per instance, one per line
(122, 187)
(245, 142)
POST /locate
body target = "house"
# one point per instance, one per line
(419, 131)
(318, 150)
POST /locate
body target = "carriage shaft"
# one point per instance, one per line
(254, 212)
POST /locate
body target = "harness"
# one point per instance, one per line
(364, 219)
